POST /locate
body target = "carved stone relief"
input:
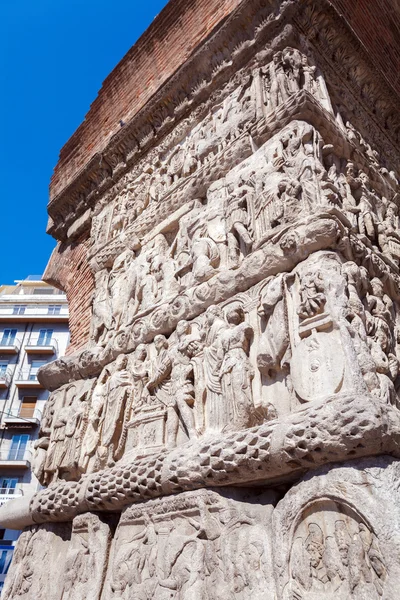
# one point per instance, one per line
(336, 536)
(192, 546)
(39, 561)
(245, 330)
(86, 560)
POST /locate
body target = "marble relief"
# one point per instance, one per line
(233, 422)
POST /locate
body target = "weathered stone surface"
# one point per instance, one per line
(232, 260)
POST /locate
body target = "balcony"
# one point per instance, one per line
(33, 313)
(22, 416)
(27, 378)
(37, 344)
(15, 460)
(7, 494)
(5, 378)
(10, 345)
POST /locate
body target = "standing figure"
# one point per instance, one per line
(236, 372)
(101, 309)
(74, 432)
(92, 434)
(122, 288)
(239, 238)
(213, 355)
(279, 87)
(182, 392)
(119, 393)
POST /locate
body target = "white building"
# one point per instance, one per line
(33, 331)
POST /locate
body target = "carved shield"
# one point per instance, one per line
(317, 366)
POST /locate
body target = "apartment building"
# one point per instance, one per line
(33, 331)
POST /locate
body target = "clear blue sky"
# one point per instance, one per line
(54, 56)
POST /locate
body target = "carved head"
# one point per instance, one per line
(160, 342)
(255, 550)
(182, 329)
(377, 287)
(141, 352)
(364, 178)
(213, 312)
(121, 362)
(314, 544)
(235, 315)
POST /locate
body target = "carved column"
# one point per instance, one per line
(229, 426)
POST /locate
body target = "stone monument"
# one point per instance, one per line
(226, 424)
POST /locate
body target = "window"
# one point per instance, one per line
(19, 309)
(42, 291)
(3, 369)
(54, 309)
(8, 337)
(28, 406)
(45, 336)
(5, 560)
(35, 366)
(18, 446)
(8, 487)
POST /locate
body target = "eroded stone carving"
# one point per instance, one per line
(245, 330)
(194, 546)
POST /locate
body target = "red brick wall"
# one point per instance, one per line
(161, 50)
(69, 270)
(377, 25)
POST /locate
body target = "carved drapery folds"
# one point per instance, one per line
(245, 329)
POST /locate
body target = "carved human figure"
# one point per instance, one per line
(148, 280)
(92, 434)
(213, 356)
(303, 160)
(236, 371)
(367, 202)
(119, 392)
(74, 432)
(182, 390)
(387, 231)
(274, 342)
(278, 91)
(122, 288)
(135, 564)
(56, 451)
(239, 238)
(204, 253)
(159, 384)
(293, 61)
(41, 446)
(102, 309)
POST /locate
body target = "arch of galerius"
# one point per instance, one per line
(226, 423)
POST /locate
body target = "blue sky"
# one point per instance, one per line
(54, 56)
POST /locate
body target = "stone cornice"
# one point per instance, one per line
(248, 28)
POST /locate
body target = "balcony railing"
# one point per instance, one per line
(7, 494)
(22, 412)
(10, 345)
(5, 377)
(13, 456)
(38, 343)
(15, 312)
(27, 376)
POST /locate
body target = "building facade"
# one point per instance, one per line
(33, 332)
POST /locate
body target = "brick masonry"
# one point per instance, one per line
(162, 49)
(376, 23)
(169, 41)
(69, 270)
